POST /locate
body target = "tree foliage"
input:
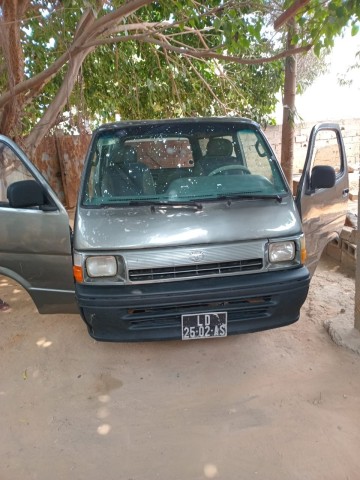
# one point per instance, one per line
(78, 61)
(139, 58)
(348, 78)
(166, 83)
(309, 68)
(322, 21)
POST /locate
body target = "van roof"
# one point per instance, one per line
(122, 124)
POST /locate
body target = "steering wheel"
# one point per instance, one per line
(226, 168)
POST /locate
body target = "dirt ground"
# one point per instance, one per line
(282, 404)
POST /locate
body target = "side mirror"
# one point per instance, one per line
(26, 193)
(322, 176)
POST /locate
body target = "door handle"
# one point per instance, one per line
(345, 192)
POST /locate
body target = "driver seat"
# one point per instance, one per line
(126, 176)
(218, 153)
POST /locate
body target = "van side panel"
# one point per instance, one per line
(35, 251)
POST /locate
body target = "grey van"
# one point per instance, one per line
(183, 229)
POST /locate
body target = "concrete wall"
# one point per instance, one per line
(351, 134)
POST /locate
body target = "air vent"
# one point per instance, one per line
(194, 271)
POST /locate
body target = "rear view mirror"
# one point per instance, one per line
(26, 193)
(322, 176)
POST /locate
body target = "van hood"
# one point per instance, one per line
(117, 228)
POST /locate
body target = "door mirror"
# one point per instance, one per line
(26, 193)
(322, 176)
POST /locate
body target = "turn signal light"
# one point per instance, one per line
(303, 253)
(78, 274)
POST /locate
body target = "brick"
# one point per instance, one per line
(349, 248)
(336, 241)
(351, 136)
(354, 237)
(351, 220)
(353, 196)
(334, 251)
(345, 233)
(295, 184)
(300, 138)
(348, 261)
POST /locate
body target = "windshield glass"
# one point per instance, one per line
(180, 162)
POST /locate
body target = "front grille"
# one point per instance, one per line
(193, 271)
(239, 310)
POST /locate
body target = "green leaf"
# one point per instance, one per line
(317, 49)
(354, 29)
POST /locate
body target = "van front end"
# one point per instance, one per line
(192, 292)
(156, 311)
(186, 229)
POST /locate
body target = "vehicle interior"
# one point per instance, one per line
(180, 166)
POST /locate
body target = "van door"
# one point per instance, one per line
(323, 190)
(35, 246)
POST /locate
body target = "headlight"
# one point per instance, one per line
(101, 266)
(281, 252)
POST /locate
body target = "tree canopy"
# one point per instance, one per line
(75, 61)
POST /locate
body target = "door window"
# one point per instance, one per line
(327, 150)
(11, 170)
(257, 156)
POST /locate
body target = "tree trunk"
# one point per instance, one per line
(10, 36)
(357, 275)
(50, 117)
(288, 127)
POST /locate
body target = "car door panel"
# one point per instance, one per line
(323, 210)
(35, 246)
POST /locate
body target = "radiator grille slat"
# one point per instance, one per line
(196, 270)
(243, 310)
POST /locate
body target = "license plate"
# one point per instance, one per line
(204, 325)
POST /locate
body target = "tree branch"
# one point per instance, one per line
(200, 53)
(87, 28)
(174, 86)
(45, 76)
(103, 24)
(290, 13)
(49, 119)
(128, 27)
(206, 84)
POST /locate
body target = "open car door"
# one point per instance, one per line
(35, 237)
(323, 190)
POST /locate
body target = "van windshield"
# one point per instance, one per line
(191, 161)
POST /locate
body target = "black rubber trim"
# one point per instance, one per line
(153, 311)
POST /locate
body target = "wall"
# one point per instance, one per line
(350, 131)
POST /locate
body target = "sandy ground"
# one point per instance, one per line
(282, 404)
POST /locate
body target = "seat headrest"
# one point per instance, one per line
(123, 154)
(219, 147)
(129, 155)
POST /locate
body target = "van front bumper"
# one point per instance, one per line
(153, 312)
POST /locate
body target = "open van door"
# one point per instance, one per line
(35, 237)
(323, 190)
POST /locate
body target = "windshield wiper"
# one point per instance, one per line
(251, 196)
(115, 202)
(191, 204)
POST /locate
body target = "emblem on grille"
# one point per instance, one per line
(196, 255)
